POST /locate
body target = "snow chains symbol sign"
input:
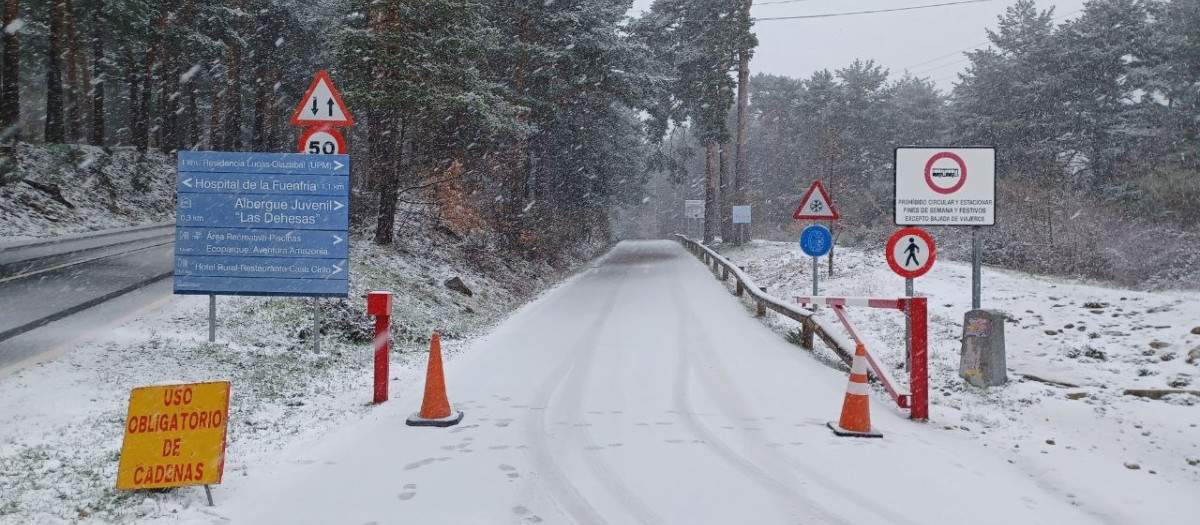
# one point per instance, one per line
(815, 240)
(911, 252)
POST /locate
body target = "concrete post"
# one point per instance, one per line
(983, 363)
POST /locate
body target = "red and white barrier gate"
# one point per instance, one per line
(916, 399)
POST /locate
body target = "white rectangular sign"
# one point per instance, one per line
(693, 209)
(945, 187)
(741, 215)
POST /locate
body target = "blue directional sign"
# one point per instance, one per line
(244, 210)
(816, 240)
(270, 183)
(262, 224)
(255, 242)
(281, 163)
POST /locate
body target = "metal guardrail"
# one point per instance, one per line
(809, 325)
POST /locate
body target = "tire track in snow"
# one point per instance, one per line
(730, 402)
(791, 499)
(577, 380)
(565, 493)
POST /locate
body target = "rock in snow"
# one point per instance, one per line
(459, 286)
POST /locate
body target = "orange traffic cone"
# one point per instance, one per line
(856, 409)
(435, 408)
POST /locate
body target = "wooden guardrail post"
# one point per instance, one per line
(724, 273)
(806, 334)
(741, 288)
(761, 309)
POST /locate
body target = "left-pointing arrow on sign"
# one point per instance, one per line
(187, 182)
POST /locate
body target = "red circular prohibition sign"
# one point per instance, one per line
(891, 248)
(337, 138)
(929, 172)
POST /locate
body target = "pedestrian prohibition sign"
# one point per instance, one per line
(911, 252)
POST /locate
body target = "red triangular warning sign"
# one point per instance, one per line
(816, 205)
(322, 104)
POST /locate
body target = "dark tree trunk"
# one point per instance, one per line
(233, 118)
(74, 94)
(262, 105)
(171, 104)
(740, 167)
(388, 177)
(193, 119)
(712, 170)
(10, 85)
(724, 192)
(216, 136)
(98, 116)
(55, 132)
(137, 118)
(141, 140)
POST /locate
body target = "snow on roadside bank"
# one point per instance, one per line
(61, 420)
(1094, 445)
(60, 189)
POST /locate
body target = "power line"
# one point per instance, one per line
(851, 13)
(781, 2)
(960, 61)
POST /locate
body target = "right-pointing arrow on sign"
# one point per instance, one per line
(337, 240)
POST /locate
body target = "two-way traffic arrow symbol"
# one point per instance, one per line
(330, 104)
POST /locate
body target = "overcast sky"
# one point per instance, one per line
(897, 40)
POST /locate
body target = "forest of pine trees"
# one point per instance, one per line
(532, 121)
(1095, 120)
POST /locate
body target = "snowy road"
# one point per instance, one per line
(638, 392)
(56, 294)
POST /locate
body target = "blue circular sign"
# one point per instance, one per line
(816, 240)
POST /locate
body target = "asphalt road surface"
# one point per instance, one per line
(57, 293)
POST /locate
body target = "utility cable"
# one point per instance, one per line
(851, 13)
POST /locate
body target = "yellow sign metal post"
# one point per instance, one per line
(174, 436)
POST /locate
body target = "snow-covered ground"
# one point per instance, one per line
(61, 419)
(74, 189)
(1107, 451)
(637, 392)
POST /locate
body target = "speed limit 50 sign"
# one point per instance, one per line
(322, 140)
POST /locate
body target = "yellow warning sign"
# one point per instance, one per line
(174, 436)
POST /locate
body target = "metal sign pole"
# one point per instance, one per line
(212, 318)
(976, 267)
(316, 324)
(208, 492)
(908, 292)
(815, 268)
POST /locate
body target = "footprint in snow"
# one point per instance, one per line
(419, 464)
(409, 492)
(521, 510)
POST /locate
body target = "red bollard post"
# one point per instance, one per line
(379, 304)
(918, 374)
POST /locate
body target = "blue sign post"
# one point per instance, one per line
(816, 241)
(262, 224)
